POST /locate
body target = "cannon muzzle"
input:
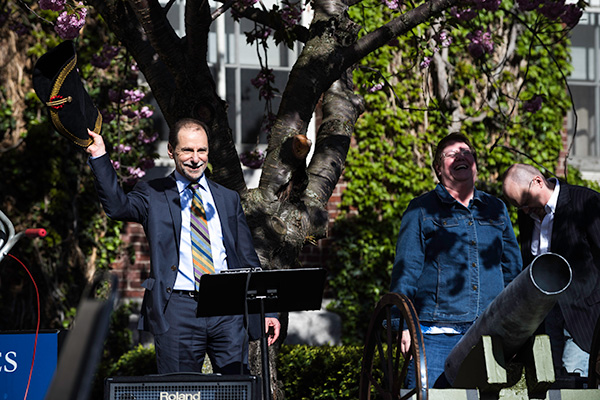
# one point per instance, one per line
(515, 314)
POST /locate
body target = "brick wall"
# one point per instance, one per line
(131, 275)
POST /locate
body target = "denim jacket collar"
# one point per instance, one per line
(446, 197)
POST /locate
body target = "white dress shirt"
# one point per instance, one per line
(541, 239)
(185, 273)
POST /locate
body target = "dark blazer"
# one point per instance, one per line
(155, 204)
(576, 237)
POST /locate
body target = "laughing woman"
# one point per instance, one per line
(456, 251)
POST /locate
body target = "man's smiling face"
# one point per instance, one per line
(457, 164)
(191, 152)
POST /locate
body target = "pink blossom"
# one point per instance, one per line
(136, 172)
(54, 5)
(443, 38)
(425, 63)
(145, 112)
(68, 25)
(134, 95)
(481, 43)
(375, 88)
(262, 82)
(116, 165)
(123, 148)
(391, 4)
(264, 77)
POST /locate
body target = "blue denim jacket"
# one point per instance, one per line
(452, 261)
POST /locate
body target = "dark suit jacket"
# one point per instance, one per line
(156, 205)
(576, 237)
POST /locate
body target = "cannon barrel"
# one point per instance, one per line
(517, 311)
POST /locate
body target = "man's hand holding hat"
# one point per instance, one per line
(97, 148)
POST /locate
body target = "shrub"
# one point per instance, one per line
(314, 373)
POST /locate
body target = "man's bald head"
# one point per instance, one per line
(519, 175)
(526, 188)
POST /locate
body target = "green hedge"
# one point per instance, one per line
(319, 372)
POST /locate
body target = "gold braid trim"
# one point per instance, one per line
(59, 102)
(54, 113)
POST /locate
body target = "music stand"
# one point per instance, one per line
(261, 292)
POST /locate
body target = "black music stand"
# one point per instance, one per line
(260, 292)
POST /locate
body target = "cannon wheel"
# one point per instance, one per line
(388, 381)
(594, 366)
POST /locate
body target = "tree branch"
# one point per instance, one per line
(394, 28)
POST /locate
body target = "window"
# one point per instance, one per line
(584, 82)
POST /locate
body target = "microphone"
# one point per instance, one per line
(35, 233)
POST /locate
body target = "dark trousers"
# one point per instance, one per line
(184, 345)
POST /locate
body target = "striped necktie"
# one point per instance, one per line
(201, 252)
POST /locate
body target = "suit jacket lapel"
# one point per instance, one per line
(561, 215)
(174, 202)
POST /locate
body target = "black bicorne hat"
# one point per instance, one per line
(58, 85)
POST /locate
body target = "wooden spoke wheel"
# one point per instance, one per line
(382, 357)
(594, 366)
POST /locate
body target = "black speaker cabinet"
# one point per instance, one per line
(183, 387)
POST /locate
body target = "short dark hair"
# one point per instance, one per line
(185, 123)
(445, 142)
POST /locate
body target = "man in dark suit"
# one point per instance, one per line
(163, 207)
(562, 219)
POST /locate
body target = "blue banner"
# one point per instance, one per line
(16, 353)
